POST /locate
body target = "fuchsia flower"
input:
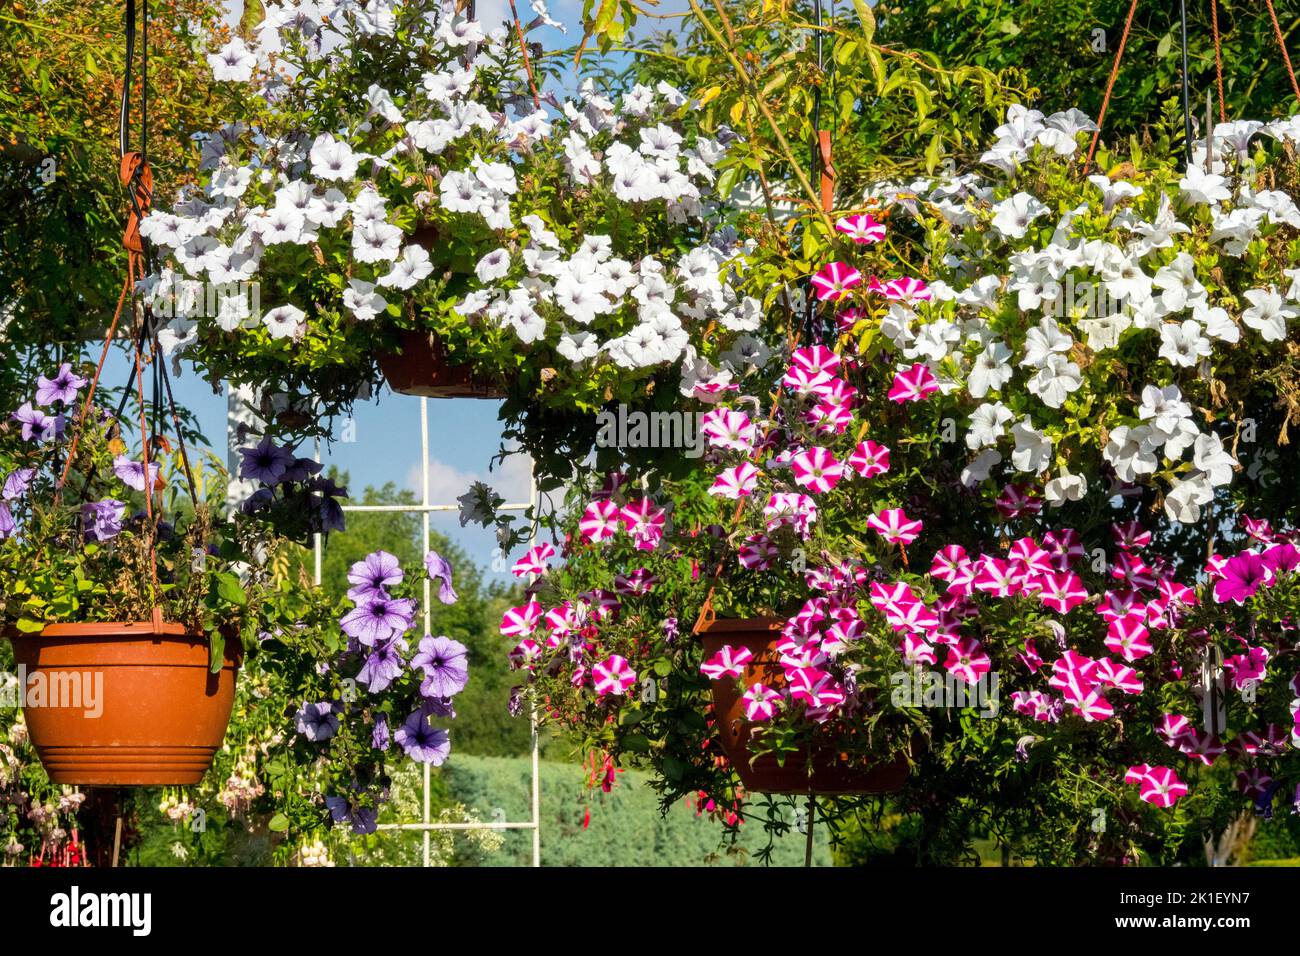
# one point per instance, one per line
(728, 662)
(599, 522)
(612, 676)
(967, 660)
(1064, 546)
(534, 561)
(869, 459)
(1281, 558)
(893, 525)
(521, 621)
(734, 483)
(1259, 529)
(907, 290)
(834, 280)
(1160, 786)
(814, 688)
(1173, 728)
(757, 553)
(816, 469)
(1074, 675)
(761, 702)
(828, 418)
(1242, 577)
(725, 428)
(1247, 668)
(861, 229)
(995, 576)
(914, 385)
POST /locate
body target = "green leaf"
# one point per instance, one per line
(279, 823)
(229, 589)
(1165, 45)
(867, 17)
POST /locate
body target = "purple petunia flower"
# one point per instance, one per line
(17, 483)
(373, 575)
(380, 737)
(62, 387)
(362, 819)
(132, 472)
(317, 722)
(446, 669)
(102, 520)
(329, 514)
(37, 426)
(7, 523)
(1242, 577)
(423, 742)
(383, 665)
(266, 462)
(379, 619)
(438, 707)
(515, 705)
(439, 569)
(301, 469)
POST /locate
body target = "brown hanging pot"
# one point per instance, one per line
(137, 704)
(824, 771)
(420, 367)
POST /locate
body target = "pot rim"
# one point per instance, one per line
(92, 629)
(732, 625)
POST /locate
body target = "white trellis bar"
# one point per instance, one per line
(238, 411)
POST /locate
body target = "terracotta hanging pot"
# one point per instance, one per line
(138, 705)
(420, 367)
(831, 773)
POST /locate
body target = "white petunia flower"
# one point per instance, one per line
(286, 321)
(410, 268)
(1267, 314)
(987, 425)
(1182, 344)
(1012, 217)
(361, 299)
(1055, 380)
(233, 62)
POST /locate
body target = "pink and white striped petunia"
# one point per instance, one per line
(599, 522)
(815, 358)
(1137, 773)
(995, 576)
(1130, 535)
(613, 675)
(790, 508)
(1173, 728)
(916, 651)
(1253, 783)
(1161, 787)
(914, 385)
(893, 525)
(726, 428)
(869, 459)
(735, 483)
(644, 521)
(1118, 676)
(1201, 745)
(638, 582)
(1062, 592)
(816, 469)
(524, 653)
(907, 290)
(861, 229)
(757, 553)
(834, 280)
(761, 702)
(1129, 638)
(521, 621)
(1092, 706)
(534, 561)
(967, 660)
(728, 662)
(827, 418)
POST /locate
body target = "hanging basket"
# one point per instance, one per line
(830, 773)
(420, 367)
(157, 716)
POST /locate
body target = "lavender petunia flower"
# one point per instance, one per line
(373, 575)
(7, 523)
(62, 387)
(37, 426)
(379, 619)
(422, 742)
(132, 472)
(102, 520)
(380, 737)
(363, 820)
(317, 722)
(439, 569)
(17, 483)
(446, 669)
(265, 462)
(438, 707)
(383, 665)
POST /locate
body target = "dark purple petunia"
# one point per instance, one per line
(265, 462)
(363, 820)
(423, 742)
(62, 387)
(373, 575)
(383, 665)
(329, 515)
(445, 665)
(515, 705)
(37, 426)
(102, 520)
(379, 619)
(317, 722)
(438, 707)
(17, 483)
(261, 498)
(302, 469)
(1242, 577)
(439, 569)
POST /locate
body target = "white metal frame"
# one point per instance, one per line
(426, 826)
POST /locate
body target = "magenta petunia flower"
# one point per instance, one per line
(761, 702)
(612, 676)
(861, 229)
(1242, 577)
(834, 280)
(728, 662)
(914, 385)
(894, 526)
(816, 469)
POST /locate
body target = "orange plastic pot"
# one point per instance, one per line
(823, 770)
(420, 367)
(136, 703)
